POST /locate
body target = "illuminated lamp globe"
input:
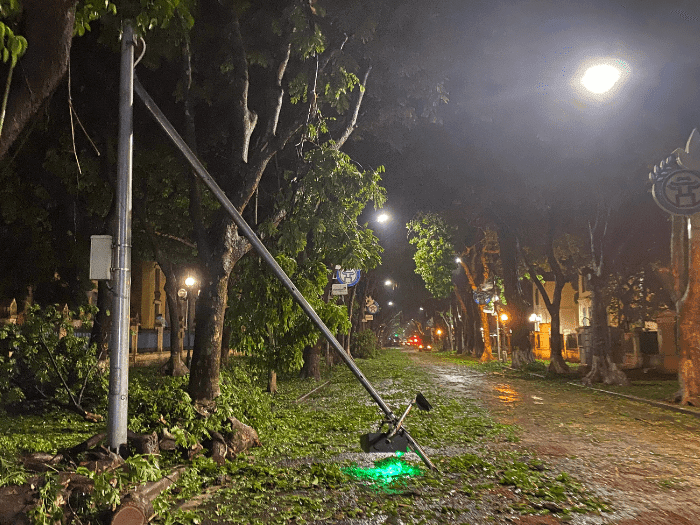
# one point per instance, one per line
(600, 78)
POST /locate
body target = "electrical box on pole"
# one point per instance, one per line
(101, 257)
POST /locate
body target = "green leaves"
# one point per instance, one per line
(12, 46)
(90, 10)
(43, 359)
(435, 252)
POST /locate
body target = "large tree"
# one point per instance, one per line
(262, 76)
(320, 231)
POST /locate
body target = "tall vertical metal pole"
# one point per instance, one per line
(121, 254)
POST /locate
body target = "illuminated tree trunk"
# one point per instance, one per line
(688, 372)
(488, 352)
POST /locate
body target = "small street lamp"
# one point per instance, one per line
(190, 282)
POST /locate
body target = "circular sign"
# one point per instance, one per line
(677, 191)
(349, 277)
(482, 297)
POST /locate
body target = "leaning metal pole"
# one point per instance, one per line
(121, 255)
(262, 251)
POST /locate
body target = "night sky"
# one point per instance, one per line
(517, 117)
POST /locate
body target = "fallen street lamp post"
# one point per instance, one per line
(262, 251)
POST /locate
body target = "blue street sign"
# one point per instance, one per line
(349, 277)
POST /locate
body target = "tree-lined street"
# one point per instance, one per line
(500, 187)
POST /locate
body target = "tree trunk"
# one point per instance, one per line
(272, 382)
(225, 345)
(557, 363)
(206, 355)
(137, 506)
(688, 371)
(48, 28)
(175, 365)
(603, 369)
(352, 323)
(487, 355)
(679, 258)
(459, 334)
(518, 305)
(312, 361)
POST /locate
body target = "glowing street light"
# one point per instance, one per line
(388, 282)
(390, 303)
(189, 282)
(383, 217)
(504, 316)
(600, 78)
(458, 260)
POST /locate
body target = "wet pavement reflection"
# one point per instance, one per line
(507, 394)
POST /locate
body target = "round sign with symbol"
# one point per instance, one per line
(349, 277)
(373, 308)
(482, 297)
(677, 191)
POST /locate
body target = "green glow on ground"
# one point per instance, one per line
(385, 470)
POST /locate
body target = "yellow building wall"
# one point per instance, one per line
(147, 292)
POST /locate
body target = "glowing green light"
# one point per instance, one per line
(385, 470)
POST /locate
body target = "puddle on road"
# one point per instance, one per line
(461, 380)
(506, 393)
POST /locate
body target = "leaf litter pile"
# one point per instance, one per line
(310, 467)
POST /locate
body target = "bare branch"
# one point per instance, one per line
(352, 122)
(244, 120)
(275, 94)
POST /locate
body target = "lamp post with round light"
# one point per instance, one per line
(190, 282)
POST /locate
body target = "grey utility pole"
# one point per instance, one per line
(121, 254)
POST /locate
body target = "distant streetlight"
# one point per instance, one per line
(504, 316)
(190, 281)
(458, 260)
(388, 282)
(390, 303)
(383, 217)
(420, 308)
